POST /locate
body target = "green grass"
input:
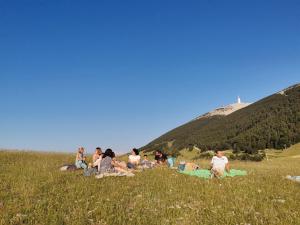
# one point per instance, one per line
(34, 191)
(188, 155)
(293, 151)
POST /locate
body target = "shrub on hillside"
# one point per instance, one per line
(205, 155)
(248, 157)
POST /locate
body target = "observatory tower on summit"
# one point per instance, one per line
(226, 110)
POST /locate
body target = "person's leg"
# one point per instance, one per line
(216, 173)
(78, 164)
(130, 166)
(220, 173)
(120, 164)
(84, 165)
(121, 170)
(81, 164)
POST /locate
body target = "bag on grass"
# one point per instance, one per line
(70, 167)
(181, 166)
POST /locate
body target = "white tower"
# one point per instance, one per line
(239, 100)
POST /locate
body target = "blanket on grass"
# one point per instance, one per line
(115, 174)
(206, 174)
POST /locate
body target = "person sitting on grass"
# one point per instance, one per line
(97, 158)
(171, 160)
(106, 165)
(145, 163)
(160, 158)
(145, 159)
(109, 163)
(80, 159)
(219, 164)
(134, 159)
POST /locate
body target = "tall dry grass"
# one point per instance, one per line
(34, 191)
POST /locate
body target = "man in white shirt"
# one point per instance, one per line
(219, 164)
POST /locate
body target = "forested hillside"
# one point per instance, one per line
(273, 122)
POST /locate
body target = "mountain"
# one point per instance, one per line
(273, 122)
(225, 110)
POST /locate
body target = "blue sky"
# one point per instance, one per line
(120, 73)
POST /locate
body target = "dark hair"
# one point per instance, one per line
(136, 151)
(98, 148)
(158, 151)
(145, 155)
(218, 150)
(109, 153)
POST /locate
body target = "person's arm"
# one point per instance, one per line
(138, 161)
(158, 161)
(98, 157)
(118, 167)
(165, 157)
(227, 167)
(212, 163)
(130, 159)
(97, 162)
(114, 163)
(78, 157)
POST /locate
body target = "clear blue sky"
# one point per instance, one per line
(120, 73)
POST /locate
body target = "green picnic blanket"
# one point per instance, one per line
(206, 173)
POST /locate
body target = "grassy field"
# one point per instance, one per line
(34, 191)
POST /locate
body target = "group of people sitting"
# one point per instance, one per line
(107, 163)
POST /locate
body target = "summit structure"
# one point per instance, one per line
(226, 110)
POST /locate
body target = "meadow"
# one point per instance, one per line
(34, 191)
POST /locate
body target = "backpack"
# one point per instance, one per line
(71, 167)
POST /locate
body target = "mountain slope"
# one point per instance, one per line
(225, 111)
(273, 122)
